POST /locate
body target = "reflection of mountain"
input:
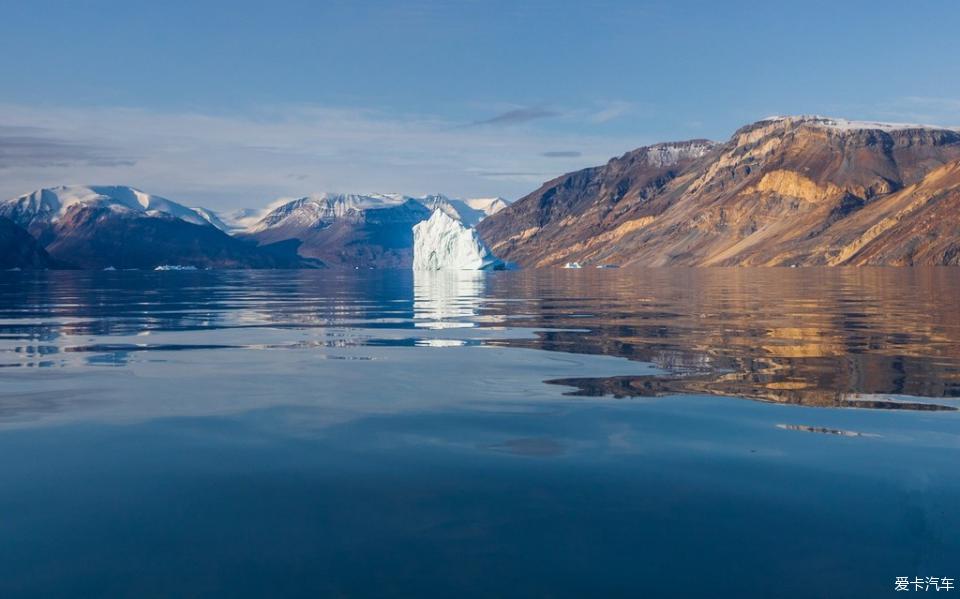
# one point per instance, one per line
(825, 337)
(444, 299)
(819, 337)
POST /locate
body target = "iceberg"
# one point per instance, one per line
(444, 243)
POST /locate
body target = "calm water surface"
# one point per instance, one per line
(688, 432)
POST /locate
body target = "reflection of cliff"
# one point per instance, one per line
(814, 337)
(831, 337)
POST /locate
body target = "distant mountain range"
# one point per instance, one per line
(121, 227)
(346, 230)
(785, 191)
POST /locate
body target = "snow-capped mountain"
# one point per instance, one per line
(315, 209)
(360, 230)
(489, 206)
(212, 218)
(837, 124)
(123, 227)
(242, 219)
(469, 211)
(45, 206)
(456, 209)
(94, 226)
(346, 230)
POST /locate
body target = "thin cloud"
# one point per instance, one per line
(613, 110)
(517, 116)
(944, 112)
(29, 147)
(561, 154)
(497, 174)
(229, 161)
(951, 104)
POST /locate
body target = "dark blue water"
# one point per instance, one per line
(611, 433)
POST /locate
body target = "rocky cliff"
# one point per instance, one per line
(782, 191)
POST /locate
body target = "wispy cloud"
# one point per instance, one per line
(561, 154)
(948, 104)
(611, 111)
(230, 161)
(929, 110)
(509, 174)
(35, 147)
(518, 116)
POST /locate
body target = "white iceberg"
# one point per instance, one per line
(444, 243)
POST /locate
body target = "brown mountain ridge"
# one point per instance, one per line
(784, 191)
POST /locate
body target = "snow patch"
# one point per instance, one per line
(489, 206)
(212, 218)
(310, 210)
(668, 154)
(50, 204)
(848, 125)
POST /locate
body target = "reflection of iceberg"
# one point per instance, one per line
(447, 299)
(443, 243)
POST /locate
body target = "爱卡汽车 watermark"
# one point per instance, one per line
(923, 583)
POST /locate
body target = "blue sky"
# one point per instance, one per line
(234, 104)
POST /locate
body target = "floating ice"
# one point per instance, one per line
(443, 243)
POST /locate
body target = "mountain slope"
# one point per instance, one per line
(578, 212)
(101, 226)
(786, 190)
(39, 210)
(345, 230)
(212, 218)
(101, 236)
(917, 225)
(350, 230)
(18, 249)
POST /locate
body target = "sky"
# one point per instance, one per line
(235, 104)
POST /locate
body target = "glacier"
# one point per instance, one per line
(444, 243)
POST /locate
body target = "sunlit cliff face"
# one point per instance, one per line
(781, 192)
